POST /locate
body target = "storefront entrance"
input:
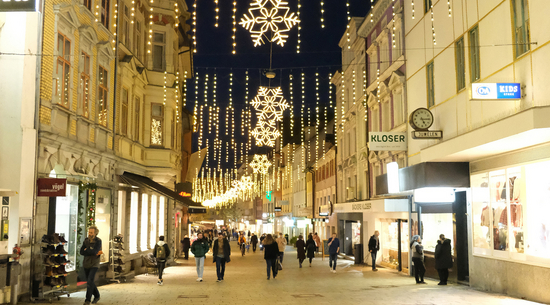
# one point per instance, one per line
(350, 231)
(394, 234)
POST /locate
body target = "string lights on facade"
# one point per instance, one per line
(347, 26)
(433, 27)
(322, 14)
(299, 27)
(449, 6)
(412, 5)
(234, 18)
(217, 12)
(195, 26)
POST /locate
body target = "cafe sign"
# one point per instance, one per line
(379, 141)
(52, 187)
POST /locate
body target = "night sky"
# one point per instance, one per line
(319, 53)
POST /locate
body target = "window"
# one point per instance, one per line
(63, 69)
(136, 119)
(85, 84)
(430, 84)
(521, 26)
(66, 222)
(460, 69)
(427, 5)
(137, 45)
(103, 218)
(474, 54)
(157, 121)
(173, 146)
(384, 56)
(124, 112)
(386, 116)
(398, 108)
(134, 222)
(144, 221)
(102, 96)
(373, 67)
(105, 10)
(126, 27)
(375, 119)
(88, 4)
(397, 49)
(161, 216)
(158, 51)
(153, 237)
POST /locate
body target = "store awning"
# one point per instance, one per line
(141, 181)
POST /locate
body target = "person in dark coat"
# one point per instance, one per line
(271, 252)
(443, 259)
(301, 249)
(186, 243)
(161, 252)
(374, 247)
(311, 247)
(254, 242)
(221, 253)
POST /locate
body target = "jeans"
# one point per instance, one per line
(186, 253)
(220, 267)
(199, 261)
(272, 265)
(254, 247)
(373, 255)
(161, 266)
(419, 269)
(91, 288)
(281, 256)
(332, 257)
(443, 275)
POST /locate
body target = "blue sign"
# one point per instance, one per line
(508, 91)
(496, 91)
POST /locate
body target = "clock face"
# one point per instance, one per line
(421, 118)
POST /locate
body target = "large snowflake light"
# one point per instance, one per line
(269, 15)
(265, 134)
(271, 104)
(260, 164)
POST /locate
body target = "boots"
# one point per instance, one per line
(47, 239)
(56, 238)
(60, 250)
(49, 250)
(62, 239)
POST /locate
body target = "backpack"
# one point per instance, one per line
(161, 252)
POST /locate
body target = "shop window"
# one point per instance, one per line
(537, 196)
(144, 221)
(521, 26)
(430, 84)
(153, 238)
(103, 219)
(459, 60)
(157, 122)
(103, 95)
(474, 55)
(66, 222)
(389, 241)
(433, 225)
(63, 70)
(134, 222)
(85, 84)
(120, 211)
(124, 112)
(161, 216)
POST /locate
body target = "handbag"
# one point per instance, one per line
(279, 266)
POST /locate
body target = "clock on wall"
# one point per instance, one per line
(421, 119)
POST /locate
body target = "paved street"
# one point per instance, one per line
(246, 283)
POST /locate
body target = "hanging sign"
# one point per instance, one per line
(387, 141)
(52, 187)
(18, 5)
(496, 91)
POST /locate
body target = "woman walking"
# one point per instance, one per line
(418, 259)
(301, 249)
(311, 247)
(271, 252)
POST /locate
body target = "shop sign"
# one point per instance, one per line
(379, 141)
(278, 209)
(18, 5)
(496, 91)
(361, 206)
(219, 222)
(52, 187)
(435, 134)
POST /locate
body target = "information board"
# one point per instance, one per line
(325, 247)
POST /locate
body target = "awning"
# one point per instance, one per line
(146, 182)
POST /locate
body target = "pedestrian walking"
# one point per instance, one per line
(161, 253)
(311, 247)
(199, 248)
(443, 259)
(254, 242)
(281, 242)
(418, 259)
(221, 253)
(301, 249)
(186, 243)
(242, 243)
(333, 250)
(271, 252)
(374, 247)
(261, 242)
(317, 240)
(91, 250)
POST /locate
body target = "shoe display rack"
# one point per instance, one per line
(117, 259)
(54, 283)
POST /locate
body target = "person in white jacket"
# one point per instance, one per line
(281, 242)
(161, 253)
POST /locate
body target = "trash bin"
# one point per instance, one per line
(358, 253)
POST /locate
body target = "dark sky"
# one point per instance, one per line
(319, 54)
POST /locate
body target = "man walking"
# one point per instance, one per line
(374, 247)
(186, 242)
(443, 259)
(221, 252)
(281, 242)
(199, 248)
(317, 240)
(161, 253)
(91, 250)
(254, 242)
(333, 250)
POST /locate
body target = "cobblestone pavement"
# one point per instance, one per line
(246, 283)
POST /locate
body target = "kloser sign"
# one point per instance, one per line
(387, 141)
(496, 91)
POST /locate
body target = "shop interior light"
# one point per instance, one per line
(434, 195)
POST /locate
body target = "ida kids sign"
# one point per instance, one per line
(387, 141)
(496, 91)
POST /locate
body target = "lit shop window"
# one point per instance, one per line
(144, 221)
(134, 222)
(161, 216)
(153, 238)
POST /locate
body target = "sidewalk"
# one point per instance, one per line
(246, 283)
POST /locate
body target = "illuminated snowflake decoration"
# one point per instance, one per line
(265, 134)
(260, 164)
(271, 104)
(269, 15)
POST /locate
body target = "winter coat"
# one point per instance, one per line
(310, 246)
(317, 240)
(254, 239)
(281, 241)
(200, 247)
(374, 244)
(166, 250)
(300, 246)
(443, 256)
(90, 252)
(271, 251)
(226, 250)
(334, 245)
(186, 244)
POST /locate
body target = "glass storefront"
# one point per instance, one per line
(390, 239)
(103, 219)
(134, 222)
(66, 222)
(144, 221)
(433, 225)
(153, 238)
(510, 213)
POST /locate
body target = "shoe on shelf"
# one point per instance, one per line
(56, 238)
(59, 250)
(62, 239)
(95, 301)
(47, 239)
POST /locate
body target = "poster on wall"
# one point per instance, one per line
(24, 232)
